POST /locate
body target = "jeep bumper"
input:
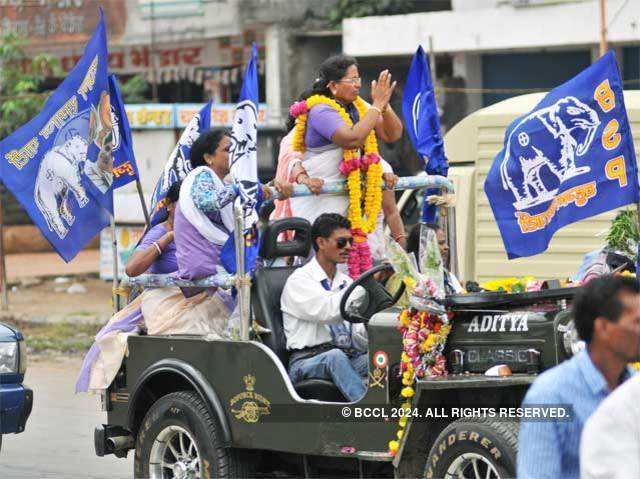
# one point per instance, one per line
(16, 402)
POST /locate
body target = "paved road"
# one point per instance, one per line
(58, 441)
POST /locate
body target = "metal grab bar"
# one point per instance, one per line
(339, 187)
(221, 280)
(241, 280)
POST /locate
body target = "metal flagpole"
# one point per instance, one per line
(603, 27)
(3, 266)
(145, 211)
(242, 279)
(116, 297)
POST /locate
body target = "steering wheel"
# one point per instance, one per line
(379, 297)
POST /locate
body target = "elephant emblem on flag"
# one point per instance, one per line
(542, 150)
(58, 178)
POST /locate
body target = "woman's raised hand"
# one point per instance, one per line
(382, 89)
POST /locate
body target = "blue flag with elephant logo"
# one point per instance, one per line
(59, 164)
(179, 163)
(125, 169)
(570, 158)
(243, 167)
(423, 125)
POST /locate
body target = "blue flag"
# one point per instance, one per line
(179, 163)
(570, 158)
(243, 166)
(125, 169)
(59, 164)
(423, 124)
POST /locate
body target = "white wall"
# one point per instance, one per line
(566, 25)
(473, 4)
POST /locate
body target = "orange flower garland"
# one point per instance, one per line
(423, 339)
(352, 164)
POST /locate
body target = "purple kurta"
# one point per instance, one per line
(322, 124)
(166, 263)
(197, 256)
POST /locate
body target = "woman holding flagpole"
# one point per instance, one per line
(337, 133)
(204, 222)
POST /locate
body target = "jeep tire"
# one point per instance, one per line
(469, 448)
(179, 424)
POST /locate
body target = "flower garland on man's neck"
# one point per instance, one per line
(352, 163)
(424, 336)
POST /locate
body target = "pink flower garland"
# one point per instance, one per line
(359, 259)
(298, 108)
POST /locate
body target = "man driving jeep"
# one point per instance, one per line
(321, 344)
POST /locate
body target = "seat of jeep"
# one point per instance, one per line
(267, 289)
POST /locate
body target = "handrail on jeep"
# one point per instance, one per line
(241, 281)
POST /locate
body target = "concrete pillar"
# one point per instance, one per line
(469, 67)
(274, 72)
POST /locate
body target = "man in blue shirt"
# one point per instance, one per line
(607, 317)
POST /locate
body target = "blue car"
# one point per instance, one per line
(15, 399)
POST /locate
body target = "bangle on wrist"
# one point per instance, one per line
(298, 176)
(376, 109)
(399, 237)
(386, 107)
(157, 248)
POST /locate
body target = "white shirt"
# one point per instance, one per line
(610, 444)
(308, 307)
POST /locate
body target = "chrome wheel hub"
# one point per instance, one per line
(472, 466)
(174, 455)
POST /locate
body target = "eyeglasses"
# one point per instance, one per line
(342, 242)
(353, 81)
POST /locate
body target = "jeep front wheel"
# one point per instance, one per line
(178, 439)
(474, 449)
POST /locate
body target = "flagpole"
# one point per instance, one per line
(242, 279)
(115, 296)
(3, 266)
(603, 28)
(145, 211)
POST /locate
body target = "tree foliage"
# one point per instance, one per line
(21, 79)
(135, 90)
(21, 98)
(365, 8)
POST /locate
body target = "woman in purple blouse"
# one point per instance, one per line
(155, 254)
(327, 135)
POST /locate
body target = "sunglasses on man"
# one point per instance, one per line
(342, 242)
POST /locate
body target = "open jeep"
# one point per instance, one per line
(191, 407)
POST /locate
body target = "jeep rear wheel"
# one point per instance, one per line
(178, 439)
(474, 449)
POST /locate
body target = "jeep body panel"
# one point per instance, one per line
(257, 397)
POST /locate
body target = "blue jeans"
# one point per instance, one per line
(348, 373)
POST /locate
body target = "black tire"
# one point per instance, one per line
(496, 443)
(188, 411)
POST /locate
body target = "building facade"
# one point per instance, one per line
(489, 50)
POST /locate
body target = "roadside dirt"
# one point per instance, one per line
(54, 321)
(49, 301)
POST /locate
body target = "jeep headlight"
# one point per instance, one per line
(570, 340)
(9, 357)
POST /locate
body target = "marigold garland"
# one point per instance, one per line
(352, 165)
(423, 339)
